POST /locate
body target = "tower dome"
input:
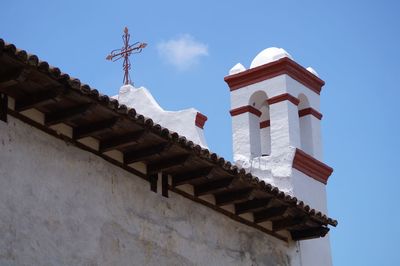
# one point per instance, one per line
(269, 55)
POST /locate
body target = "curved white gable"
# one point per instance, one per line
(182, 122)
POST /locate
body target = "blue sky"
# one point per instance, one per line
(353, 45)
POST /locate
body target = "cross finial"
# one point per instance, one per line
(125, 52)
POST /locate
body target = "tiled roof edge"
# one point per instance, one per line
(113, 104)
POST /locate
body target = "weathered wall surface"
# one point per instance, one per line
(60, 205)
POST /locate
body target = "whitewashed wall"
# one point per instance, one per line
(60, 205)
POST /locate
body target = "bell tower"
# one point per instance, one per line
(276, 126)
(275, 105)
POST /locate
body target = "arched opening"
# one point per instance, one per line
(261, 129)
(306, 136)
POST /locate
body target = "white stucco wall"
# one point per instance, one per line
(246, 135)
(60, 205)
(273, 87)
(310, 125)
(309, 190)
(315, 252)
(265, 140)
(285, 129)
(310, 134)
(306, 134)
(296, 88)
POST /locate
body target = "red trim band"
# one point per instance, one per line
(245, 109)
(273, 69)
(200, 120)
(265, 124)
(283, 97)
(310, 111)
(311, 166)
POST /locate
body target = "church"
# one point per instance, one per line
(91, 179)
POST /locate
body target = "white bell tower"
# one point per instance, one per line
(276, 125)
(279, 97)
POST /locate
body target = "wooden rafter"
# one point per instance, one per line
(309, 233)
(34, 100)
(153, 179)
(268, 214)
(93, 128)
(189, 176)
(164, 184)
(165, 163)
(231, 197)
(61, 116)
(3, 107)
(120, 141)
(287, 223)
(252, 205)
(141, 154)
(12, 77)
(212, 186)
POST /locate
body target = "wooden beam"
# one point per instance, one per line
(3, 107)
(12, 77)
(117, 142)
(287, 223)
(309, 233)
(92, 128)
(164, 183)
(140, 154)
(229, 214)
(153, 179)
(252, 205)
(165, 163)
(189, 176)
(66, 114)
(231, 197)
(268, 214)
(212, 186)
(31, 101)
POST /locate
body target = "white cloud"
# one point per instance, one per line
(182, 52)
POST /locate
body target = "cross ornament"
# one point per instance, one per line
(125, 52)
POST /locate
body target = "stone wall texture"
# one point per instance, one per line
(60, 205)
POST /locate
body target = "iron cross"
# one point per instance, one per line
(125, 52)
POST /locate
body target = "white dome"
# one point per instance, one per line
(269, 55)
(237, 69)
